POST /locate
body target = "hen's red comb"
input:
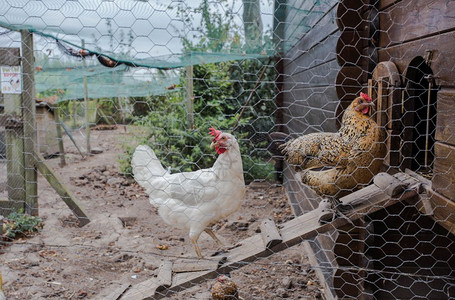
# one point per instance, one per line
(366, 97)
(214, 132)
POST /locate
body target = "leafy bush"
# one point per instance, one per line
(18, 224)
(184, 149)
(220, 91)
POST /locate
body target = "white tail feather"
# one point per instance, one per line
(146, 167)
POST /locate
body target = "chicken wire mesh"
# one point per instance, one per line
(331, 172)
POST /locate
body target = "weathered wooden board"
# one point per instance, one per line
(384, 4)
(301, 198)
(443, 211)
(270, 234)
(14, 156)
(309, 110)
(441, 63)
(319, 54)
(10, 56)
(61, 189)
(445, 121)
(297, 12)
(350, 14)
(12, 120)
(320, 31)
(444, 170)
(350, 47)
(251, 249)
(197, 265)
(349, 82)
(410, 20)
(113, 291)
(324, 280)
(322, 74)
(28, 113)
(305, 18)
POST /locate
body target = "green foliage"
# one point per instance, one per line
(19, 224)
(183, 149)
(220, 91)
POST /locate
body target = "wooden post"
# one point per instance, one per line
(61, 148)
(86, 111)
(12, 120)
(74, 113)
(189, 97)
(28, 112)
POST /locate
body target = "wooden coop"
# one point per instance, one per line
(401, 54)
(47, 138)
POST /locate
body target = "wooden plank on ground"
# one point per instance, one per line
(113, 291)
(61, 189)
(270, 234)
(197, 265)
(251, 249)
(143, 290)
(165, 273)
(318, 271)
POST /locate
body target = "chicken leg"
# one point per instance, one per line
(213, 236)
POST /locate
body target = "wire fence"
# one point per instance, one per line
(227, 150)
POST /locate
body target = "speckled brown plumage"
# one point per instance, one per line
(337, 163)
(225, 289)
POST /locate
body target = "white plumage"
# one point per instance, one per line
(194, 200)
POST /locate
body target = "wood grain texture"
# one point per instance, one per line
(307, 59)
(444, 170)
(308, 110)
(320, 31)
(441, 64)
(10, 56)
(445, 121)
(410, 20)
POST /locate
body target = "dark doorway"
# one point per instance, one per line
(418, 117)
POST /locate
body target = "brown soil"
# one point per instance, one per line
(122, 241)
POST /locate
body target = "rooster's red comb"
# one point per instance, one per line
(366, 97)
(214, 132)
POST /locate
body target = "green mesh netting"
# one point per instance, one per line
(130, 34)
(142, 33)
(102, 82)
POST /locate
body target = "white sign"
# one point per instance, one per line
(11, 80)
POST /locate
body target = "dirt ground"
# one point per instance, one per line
(64, 261)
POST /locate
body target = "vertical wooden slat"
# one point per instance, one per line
(86, 109)
(61, 148)
(14, 155)
(189, 97)
(28, 111)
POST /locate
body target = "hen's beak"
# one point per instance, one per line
(213, 144)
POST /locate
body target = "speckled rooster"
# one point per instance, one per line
(225, 289)
(336, 163)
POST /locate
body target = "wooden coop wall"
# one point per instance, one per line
(46, 132)
(417, 29)
(336, 47)
(309, 66)
(47, 138)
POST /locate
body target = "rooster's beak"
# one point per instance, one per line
(213, 144)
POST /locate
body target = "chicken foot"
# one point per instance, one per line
(211, 234)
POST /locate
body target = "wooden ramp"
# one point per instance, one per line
(182, 274)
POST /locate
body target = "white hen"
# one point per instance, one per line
(194, 200)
